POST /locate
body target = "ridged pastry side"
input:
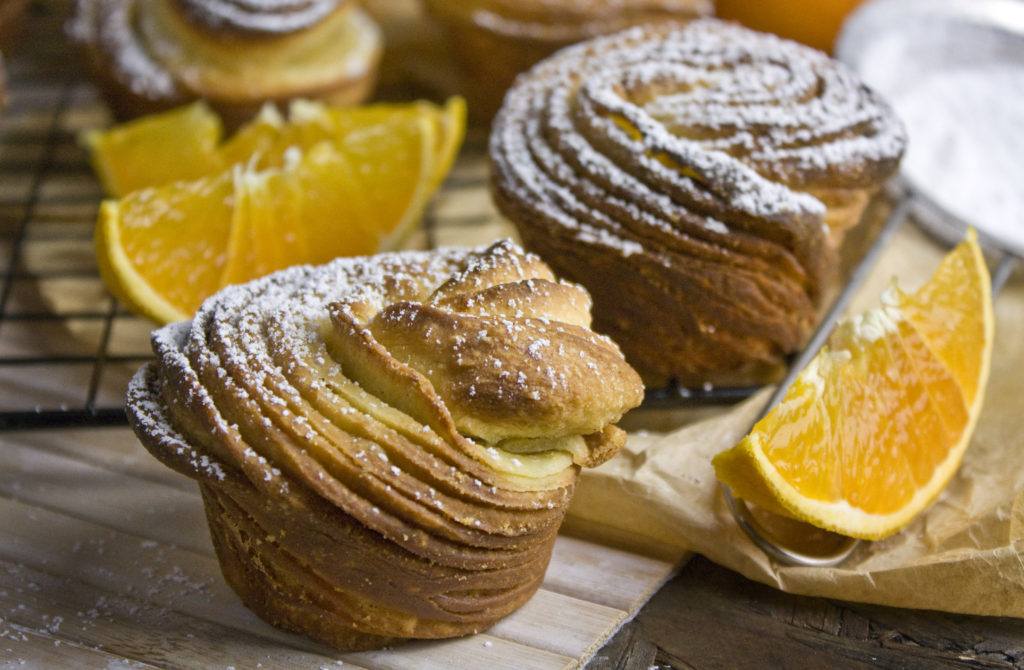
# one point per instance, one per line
(697, 179)
(150, 55)
(365, 435)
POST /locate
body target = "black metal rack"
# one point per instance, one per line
(56, 363)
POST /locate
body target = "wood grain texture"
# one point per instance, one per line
(101, 550)
(708, 617)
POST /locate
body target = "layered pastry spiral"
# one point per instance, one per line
(150, 55)
(386, 447)
(697, 179)
(497, 39)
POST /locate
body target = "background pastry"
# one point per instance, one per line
(386, 447)
(494, 40)
(697, 178)
(150, 55)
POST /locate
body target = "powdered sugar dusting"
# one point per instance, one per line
(675, 171)
(695, 117)
(107, 26)
(260, 16)
(254, 388)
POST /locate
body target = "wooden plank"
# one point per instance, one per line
(475, 651)
(140, 575)
(113, 448)
(79, 616)
(560, 624)
(604, 575)
(22, 648)
(136, 538)
(111, 499)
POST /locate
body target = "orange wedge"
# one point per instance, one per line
(156, 149)
(187, 143)
(163, 250)
(877, 424)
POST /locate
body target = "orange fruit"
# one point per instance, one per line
(187, 143)
(163, 250)
(877, 424)
(156, 149)
(813, 23)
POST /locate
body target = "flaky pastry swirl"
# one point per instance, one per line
(696, 178)
(386, 447)
(150, 55)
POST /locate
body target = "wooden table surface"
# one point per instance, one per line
(54, 306)
(710, 617)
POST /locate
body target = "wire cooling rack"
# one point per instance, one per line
(67, 348)
(56, 321)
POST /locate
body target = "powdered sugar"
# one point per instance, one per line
(680, 166)
(260, 16)
(689, 119)
(967, 145)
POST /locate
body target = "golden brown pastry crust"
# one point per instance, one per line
(697, 179)
(495, 40)
(386, 447)
(150, 55)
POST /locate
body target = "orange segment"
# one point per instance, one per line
(164, 250)
(396, 190)
(813, 23)
(187, 143)
(157, 149)
(161, 250)
(936, 309)
(877, 424)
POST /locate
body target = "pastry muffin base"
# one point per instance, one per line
(282, 568)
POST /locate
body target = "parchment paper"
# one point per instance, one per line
(964, 554)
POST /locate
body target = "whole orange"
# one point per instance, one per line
(813, 22)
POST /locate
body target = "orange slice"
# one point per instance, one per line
(187, 143)
(877, 424)
(164, 250)
(156, 149)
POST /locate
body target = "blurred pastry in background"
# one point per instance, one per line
(698, 180)
(151, 55)
(418, 59)
(494, 40)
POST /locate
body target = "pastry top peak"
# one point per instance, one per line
(498, 350)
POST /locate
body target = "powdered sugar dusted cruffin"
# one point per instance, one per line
(697, 178)
(386, 446)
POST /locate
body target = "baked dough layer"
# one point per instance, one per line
(386, 446)
(698, 179)
(150, 55)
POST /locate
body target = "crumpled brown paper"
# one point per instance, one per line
(964, 554)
